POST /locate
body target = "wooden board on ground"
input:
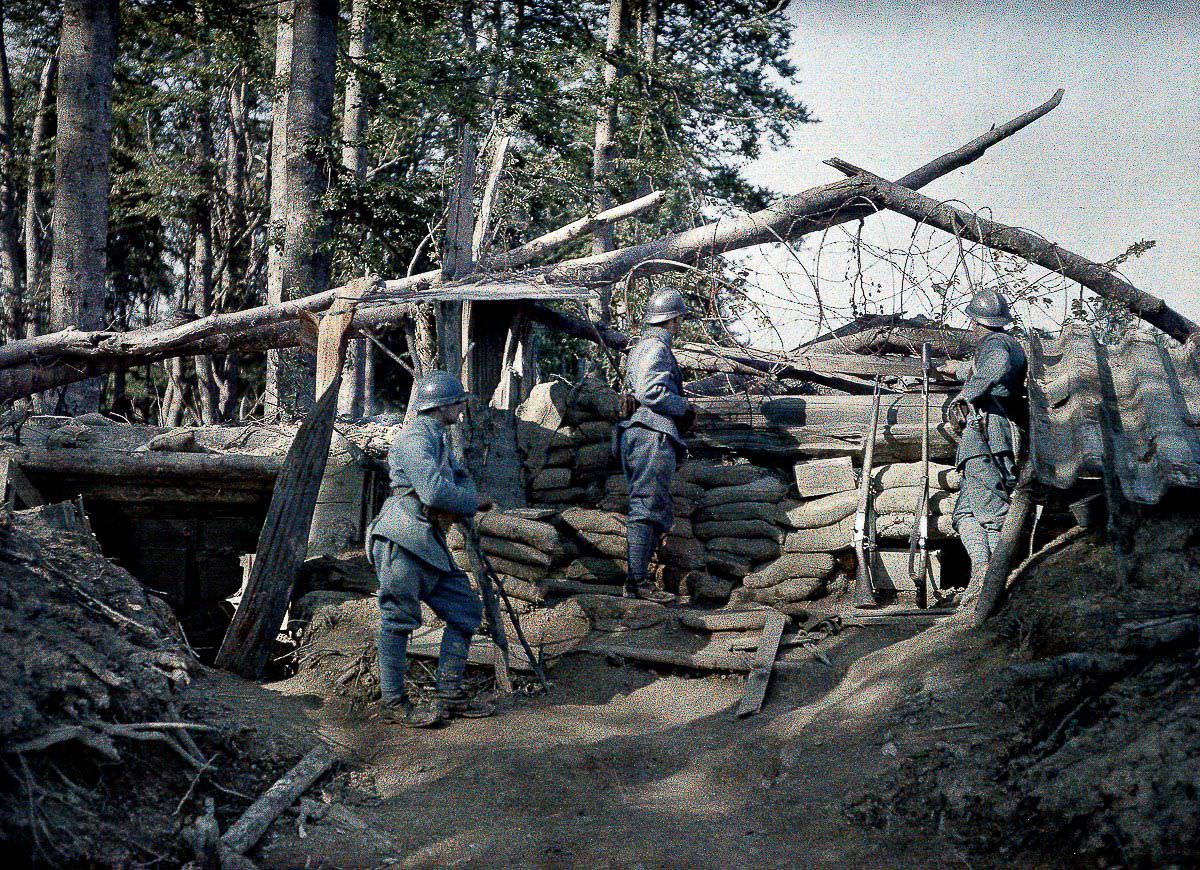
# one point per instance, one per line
(763, 662)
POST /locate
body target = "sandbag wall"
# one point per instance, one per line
(781, 532)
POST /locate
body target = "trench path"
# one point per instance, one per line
(622, 766)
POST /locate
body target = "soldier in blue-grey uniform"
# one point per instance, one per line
(406, 544)
(650, 438)
(991, 406)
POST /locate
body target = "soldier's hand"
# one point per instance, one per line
(484, 504)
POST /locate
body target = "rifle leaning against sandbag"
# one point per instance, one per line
(491, 589)
(864, 519)
(918, 542)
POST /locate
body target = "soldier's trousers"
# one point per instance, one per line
(983, 502)
(404, 582)
(648, 460)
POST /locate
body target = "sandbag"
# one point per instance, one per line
(551, 478)
(514, 551)
(512, 527)
(613, 546)
(818, 477)
(765, 489)
(826, 539)
(754, 549)
(568, 495)
(907, 499)
(520, 570)
(682, 527)
(680, 488)
(682, 552)
(789, 566)
(595, 569)
(770, 513)
(711, 476)
(727, 565)
(594, 457)
(900, 526)
(596, 430)
(736, 528)
(796, 589)
(909, 474)
(586, 520)
(823, 511)
(592, 397)
(560, 457)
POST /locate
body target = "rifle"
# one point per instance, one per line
(864, 532)
(489, 586)
(918, 542)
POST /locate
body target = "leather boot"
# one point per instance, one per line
(456, 704)
(404, 711)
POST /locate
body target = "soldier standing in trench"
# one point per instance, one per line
(989, 403)
(406, 544)
(649, 438)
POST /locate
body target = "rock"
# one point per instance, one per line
(823, 511)
(789, 567)
(766, 489)
(817, 477)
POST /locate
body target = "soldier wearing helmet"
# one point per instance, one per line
(991, 400)
(650, 438)
(406, 544)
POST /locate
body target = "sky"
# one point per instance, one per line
(898, 82)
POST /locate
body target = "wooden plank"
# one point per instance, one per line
(333, 332)
(701, 661)
(763, 662)
(15, 487)
(282, 545)
(743, 620)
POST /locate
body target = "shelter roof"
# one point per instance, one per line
(1132, 408)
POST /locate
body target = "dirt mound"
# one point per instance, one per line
(1081, 738)
(106, 751)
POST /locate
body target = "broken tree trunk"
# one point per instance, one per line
(71, 355)
(282, 545)
(991, 594)
(1100, 280)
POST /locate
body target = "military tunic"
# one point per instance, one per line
(410, 555)
(649, 443)
(988, 448)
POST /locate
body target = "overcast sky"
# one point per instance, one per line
(896, 83)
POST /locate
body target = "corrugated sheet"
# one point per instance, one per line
(1133, 408)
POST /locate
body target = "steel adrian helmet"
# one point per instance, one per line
(989, 308)
(437, 391)
(665, 305)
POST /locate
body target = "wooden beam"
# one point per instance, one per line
(760, 667)
(282, 545)
(98, 463)
(15, 488)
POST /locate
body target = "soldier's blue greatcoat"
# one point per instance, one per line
(649, 442)
(411, 558)
(987, 450)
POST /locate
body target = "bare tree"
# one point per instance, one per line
(81, 177)
(602, 153)
(33, 231)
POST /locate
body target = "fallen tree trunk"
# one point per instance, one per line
(1099, 279)
(71, 355)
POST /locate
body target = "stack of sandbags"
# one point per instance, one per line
(517, 542)
(685, 496)
(898, 497)
(792, 577)
(565, 435)
(823, 521)
(601, 537)
(740, 516)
